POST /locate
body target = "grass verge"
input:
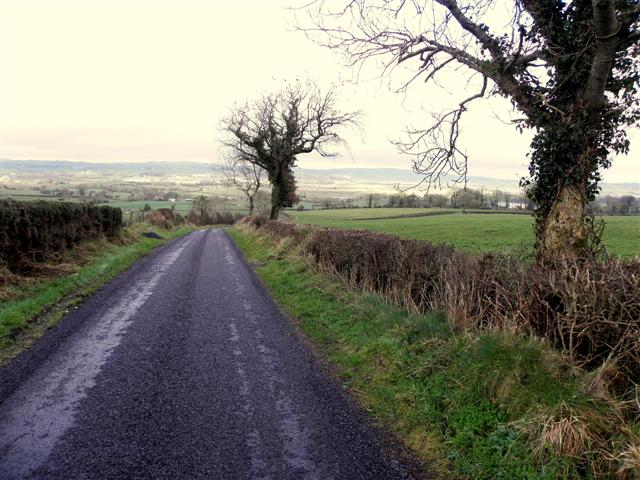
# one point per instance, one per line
(482, 405)
(38, 302)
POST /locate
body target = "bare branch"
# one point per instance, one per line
(435, 149)
(630, 16)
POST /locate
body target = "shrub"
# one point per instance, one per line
(215, 218)
(30, 230)
(223, 218)
(254, 221)
(164, 218)
(590, 309)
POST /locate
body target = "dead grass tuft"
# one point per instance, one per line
(599, 441)
(565, 432)
(629, 463)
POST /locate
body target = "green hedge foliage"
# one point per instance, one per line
(31, 230)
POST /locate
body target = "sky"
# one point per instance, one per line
(149, 80)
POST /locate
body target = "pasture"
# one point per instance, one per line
(472, 232)
(31, 195)
(181, 206)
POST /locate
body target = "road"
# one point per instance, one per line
(182, 367)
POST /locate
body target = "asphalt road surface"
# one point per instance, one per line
(181, 367)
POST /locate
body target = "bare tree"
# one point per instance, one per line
(202, 208)
(272, 131)
(570, 68)
(245, 176)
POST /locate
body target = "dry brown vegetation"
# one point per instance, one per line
(215, 218)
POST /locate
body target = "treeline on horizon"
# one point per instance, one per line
(479, 199)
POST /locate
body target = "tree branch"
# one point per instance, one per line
(607, 27)
(436, 149)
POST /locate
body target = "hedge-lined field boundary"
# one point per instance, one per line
(31, 230)
(589, 309)
(485, 403)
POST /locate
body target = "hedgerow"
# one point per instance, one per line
(590, 309)
(482, 380)
(214, 218)
(31, 230)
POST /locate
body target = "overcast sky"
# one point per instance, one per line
(149, 80)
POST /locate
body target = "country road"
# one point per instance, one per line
(182, 367)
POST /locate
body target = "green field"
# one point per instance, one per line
(472, 232)
(328, 217)
(31, 195)
(181, 206)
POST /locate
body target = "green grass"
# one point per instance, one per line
(18, 327)
(37, 196)
(181, 206)
(459, 401)
(472, 232)
(328, 216)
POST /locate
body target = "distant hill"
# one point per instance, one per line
(390, 176)
(136, 167)
(383, 178)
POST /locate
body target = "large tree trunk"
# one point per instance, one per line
(251, 206)
(279, 191)
(275, 177)
(564, 230)
(274, 212)
(276, 197)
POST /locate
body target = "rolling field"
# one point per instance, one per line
(155, 204)
(31, 195)
(473, 232)
(181, 206)
(329, 217)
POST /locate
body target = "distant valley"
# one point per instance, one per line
(338, 182)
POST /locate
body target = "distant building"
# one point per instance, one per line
(514, 205)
